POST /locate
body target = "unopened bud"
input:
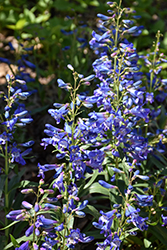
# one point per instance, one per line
(41, 191)
(27, 205)
(41, 182)
(59, 196)
(36, 207)
(27, 191)
(49, 191)
(22, 217)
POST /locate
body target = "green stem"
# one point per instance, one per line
(6, 191)
(116, 80)
(154, 61)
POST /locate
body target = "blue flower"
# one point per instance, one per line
(5, 137)
(59, 183)
(24, 246)
(58, 114)
(29, 231)
(10, 123)
(105, 222)
(106, 185)
(44, 223)
(144, 200)
(164, 219)
(96, 159)
(17, 156)
(75, 237)
(137, 220)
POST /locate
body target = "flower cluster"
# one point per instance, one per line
(115, 141)
(15, 115)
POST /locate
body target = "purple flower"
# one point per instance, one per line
(48, 167)
(60, 227)
(150, 97)
(164, 219)
(29, 231)
(5, 137)
(44, 223)
(116, 242)
(113, 242)
(16, 215)
(49, 243)
(17, 156)
(75, 237)
(59, 183)
(135, 218)
(35, 246)
(144, 200)
(105, 222)
(96, 159)
(106, 185)
(24, 246)
(10, 123)
(29, 64)
(62, 84)
(138, 221)
(36, 207)
(27, 205)
(58, 114)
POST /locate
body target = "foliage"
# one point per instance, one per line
(109, 142)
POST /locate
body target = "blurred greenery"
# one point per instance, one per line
(60, 31)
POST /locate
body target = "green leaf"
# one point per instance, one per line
(8, 226)
(19, 240)
(14, 241)
(29, 15)
(115, 198)
(92, 179)
(70, 222)
(94, 3)
(121, 153)
(96, 234)
(42, 18)
(97, 188)
(153, 223)
(160, 233)
(147, 243)
(24, 184)
(92, 210)
(20, 24)
(135, 240)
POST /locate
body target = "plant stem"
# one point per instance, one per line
(6, 191)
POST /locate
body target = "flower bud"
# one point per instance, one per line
(27, 205)
(41, 182)
(27, 191)
(49, 191)
(36, 207)
(59, 196)
(80, 214)
(70, 67)
(37, 232)
(29, 231)
(41, 191)
(22, 217)
(35, 246)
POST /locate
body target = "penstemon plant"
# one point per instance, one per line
(59, 231)
(110, 152)
(15, 115)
